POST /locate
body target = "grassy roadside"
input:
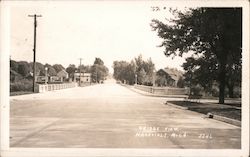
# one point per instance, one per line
(20, 93)
(227, 110)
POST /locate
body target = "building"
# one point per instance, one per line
(168, 77)
(63, 75)
(84, 79)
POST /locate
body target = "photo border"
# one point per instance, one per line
(7, 151)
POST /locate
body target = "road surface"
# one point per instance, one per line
(112, 116)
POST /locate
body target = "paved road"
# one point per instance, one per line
(111, 116)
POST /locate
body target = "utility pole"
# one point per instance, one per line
(34, 49)
(80, 71)
(96, 73)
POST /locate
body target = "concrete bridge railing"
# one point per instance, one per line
(41, 88)
(163, 90)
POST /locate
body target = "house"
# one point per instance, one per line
(63, 75)
(168, 77)
(85, 78)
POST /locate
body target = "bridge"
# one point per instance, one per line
(112, 116)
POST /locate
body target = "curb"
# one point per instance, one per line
(176, 106)
(227, 120)
(212, 116)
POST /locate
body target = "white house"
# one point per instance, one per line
(85, 78)
(63, 74)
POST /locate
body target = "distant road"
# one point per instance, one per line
(111, 116)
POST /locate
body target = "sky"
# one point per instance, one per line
(108, 30)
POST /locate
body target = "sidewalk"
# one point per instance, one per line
(230, 112)
(228, 101)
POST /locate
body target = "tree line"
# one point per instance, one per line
(136, 70)
(24, 70)
(214, 37)
(98, 70)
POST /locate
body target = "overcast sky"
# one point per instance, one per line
(109, 30)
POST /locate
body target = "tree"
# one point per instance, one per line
(40, 69)
(98, 71)
(98, 61)
(124, 71)
(144, 70)
(180, 83)
(207, 32)
(14, 65)
(24, 68)
(201, 71)
(85, 69)
(51, 70)
(233, 77)
(127, 71)
(71, 70)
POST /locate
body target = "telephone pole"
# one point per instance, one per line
(80, 71)
(34, 49)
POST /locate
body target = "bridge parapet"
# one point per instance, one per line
(163, 90)
(41, 88)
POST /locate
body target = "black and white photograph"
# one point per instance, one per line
(124, 78)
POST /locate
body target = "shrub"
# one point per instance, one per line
(21, 85)
(196, 90)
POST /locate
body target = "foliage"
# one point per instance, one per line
(40, 68)
(13, 65)
(207, 32)
(144, 70)
(99, 71)
(136, 69)
(51, 70)
(71, 70)
(98, 61)
(124, 71)
(180, 83)
(23, 68)
(21, 85)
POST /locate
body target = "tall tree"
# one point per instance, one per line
(204, 31)
(24, 68)
(98, 61)
(71, 70)
(144, 70)
(51, 70)
(124, 71)
(98, 71)
(14, 65)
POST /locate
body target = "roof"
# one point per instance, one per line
(83, 74)
(63, 71)
(173, 73)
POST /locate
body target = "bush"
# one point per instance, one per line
(196, 90)
(21, 85)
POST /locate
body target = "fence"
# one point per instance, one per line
(163, 90)
(50, 87)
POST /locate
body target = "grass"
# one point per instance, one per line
(20, 93)
(21, 85)
(217, 109)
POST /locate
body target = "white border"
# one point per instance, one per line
(6, 151)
